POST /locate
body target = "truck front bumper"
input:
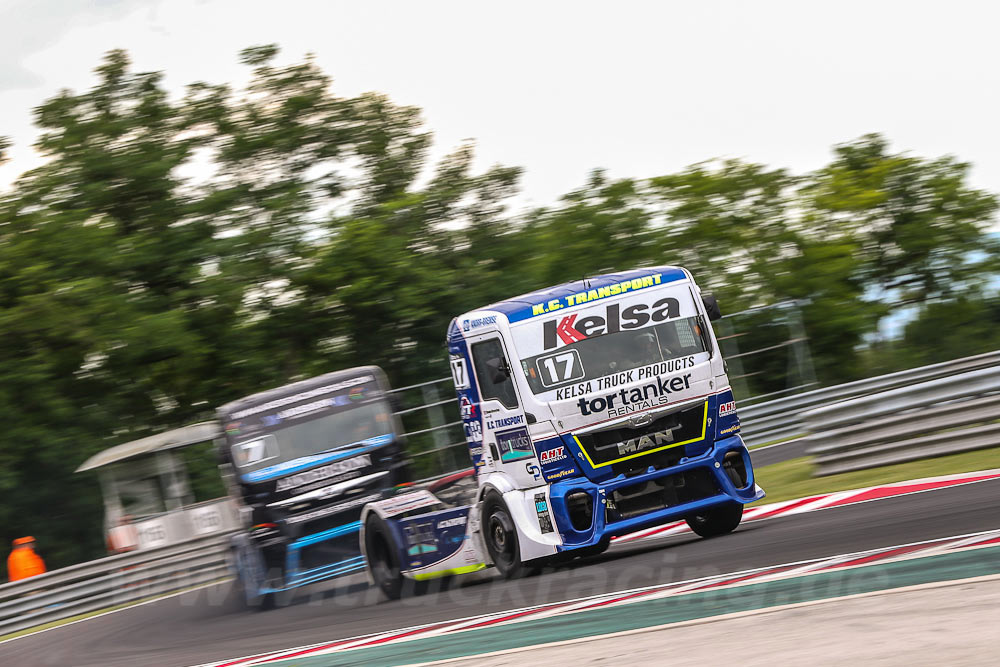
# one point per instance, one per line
(624, 505)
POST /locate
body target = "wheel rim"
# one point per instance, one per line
(500, 537)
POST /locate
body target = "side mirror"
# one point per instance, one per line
(498, 370)
(711, 307)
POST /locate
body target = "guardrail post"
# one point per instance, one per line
(800, 349)
(436, 417)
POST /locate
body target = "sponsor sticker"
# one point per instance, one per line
(477, 322)
(552, 455)
(473, 432)
(406, 503)
(549, 477)
(542, 510)
(625, 377)
(467, 408)
(727, 408)
(323, 473)
(504, 422)
(574, 328)
(514, 444)
(306, 395)
(594, 294)
(333, 509)
(627, 401)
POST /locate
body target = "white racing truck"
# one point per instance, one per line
(591, 409)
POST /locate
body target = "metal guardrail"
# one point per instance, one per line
(782, 418)
(108, 582)
(934, 418)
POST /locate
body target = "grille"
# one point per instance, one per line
(645, 497)
(329, 551)
(328, 514)
(612, 445)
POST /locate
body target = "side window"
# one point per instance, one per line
(493, 373)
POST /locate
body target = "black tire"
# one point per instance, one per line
(717, 520)
(277, 599)
(383, 561)
(501, 539)
(246, 591)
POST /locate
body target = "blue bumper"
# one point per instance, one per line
(709, 463)
(295, 576)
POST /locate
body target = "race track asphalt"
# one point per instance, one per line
(208, 624)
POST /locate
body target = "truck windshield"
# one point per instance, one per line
(342, 431)
(607, 354)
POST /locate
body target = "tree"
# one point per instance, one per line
(921, 228)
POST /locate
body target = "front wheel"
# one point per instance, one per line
(717, 520)
(501, 539)
(247, 563)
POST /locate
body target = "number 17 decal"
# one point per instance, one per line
(459, 373)
(558, 368)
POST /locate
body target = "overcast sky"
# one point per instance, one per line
(639, 88)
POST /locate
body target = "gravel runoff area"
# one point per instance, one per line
(947, 623)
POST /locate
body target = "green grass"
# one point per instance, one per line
(793, 479)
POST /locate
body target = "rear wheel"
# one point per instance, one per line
(383, 561)
(501, 539)
(717, 520)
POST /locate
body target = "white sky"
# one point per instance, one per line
(639, 88)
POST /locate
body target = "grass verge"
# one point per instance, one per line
(793, 479)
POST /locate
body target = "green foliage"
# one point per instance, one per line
(174, 254)
(920, 229)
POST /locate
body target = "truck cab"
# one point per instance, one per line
(594, 409)
(301, 461)
(598, 408)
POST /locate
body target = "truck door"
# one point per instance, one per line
(505, 431)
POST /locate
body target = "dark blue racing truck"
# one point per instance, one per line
(302, 461)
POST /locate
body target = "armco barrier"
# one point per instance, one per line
(933, 418)
(110, 581)
(782, 418)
